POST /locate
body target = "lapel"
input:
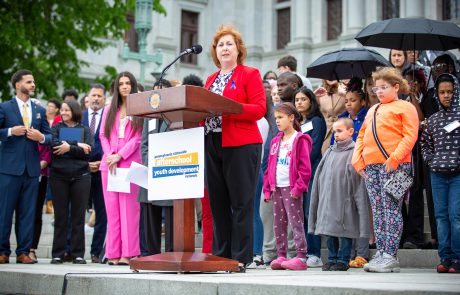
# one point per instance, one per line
(34, 114)
(100, 120)
(15, 107)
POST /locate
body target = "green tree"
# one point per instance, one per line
(44, 36)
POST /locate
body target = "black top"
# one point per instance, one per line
(75, 161)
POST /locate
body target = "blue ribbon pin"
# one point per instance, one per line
(233, 85)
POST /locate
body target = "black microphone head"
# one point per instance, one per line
(197, 48)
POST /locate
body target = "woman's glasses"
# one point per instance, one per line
(375, 89)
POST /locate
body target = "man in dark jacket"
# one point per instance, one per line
(92, 119)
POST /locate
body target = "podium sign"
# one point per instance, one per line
(176, 165)
(183, 107)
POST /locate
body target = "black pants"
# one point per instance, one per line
(39, 210)
(152, 227)
(413, 214)
(73, 192)
(100, 225)
(231, 179)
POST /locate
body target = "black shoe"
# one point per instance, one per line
(79, 260)
(409, 245)
(56, 261)
(241, 268)
(95, 259)
(328, 266)
(373, 246)
(339, 267)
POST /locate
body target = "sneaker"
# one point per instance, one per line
(339, 266)
(56, 261)
(79, 260)
(444, 266)
(295, 264)
(276, 264)
(358, 262)
(257, 263)
(455, 267)
(387, 263)
(314, 261)
(327, 266)
(375, 259)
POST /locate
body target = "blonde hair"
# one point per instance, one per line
(347, 122)
(228, 30)
(393, 77)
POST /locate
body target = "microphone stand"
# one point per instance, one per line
(160, 84)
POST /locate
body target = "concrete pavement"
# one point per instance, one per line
(44, 278)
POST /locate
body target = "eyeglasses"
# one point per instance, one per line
(439, 66)
(377, 88)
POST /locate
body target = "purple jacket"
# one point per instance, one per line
(299, 167)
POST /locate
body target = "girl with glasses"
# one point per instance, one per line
(397, 127)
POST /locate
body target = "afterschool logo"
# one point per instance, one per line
(182, 163)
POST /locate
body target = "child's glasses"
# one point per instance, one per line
(377, 88)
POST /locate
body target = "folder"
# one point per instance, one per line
(71, 134)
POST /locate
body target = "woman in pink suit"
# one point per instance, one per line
(120, 137)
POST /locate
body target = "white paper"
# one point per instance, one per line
(307, 127)
(138, 174)
(152, 124)
(452, 126)
(117, 182)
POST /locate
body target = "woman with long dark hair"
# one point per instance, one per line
(120, 139)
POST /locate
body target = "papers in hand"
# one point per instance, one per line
(138, 174)
(117, 182)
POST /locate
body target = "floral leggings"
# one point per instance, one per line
(386, 210)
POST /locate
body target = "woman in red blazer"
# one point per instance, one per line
(233, 148)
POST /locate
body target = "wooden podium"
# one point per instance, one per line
(182, 107)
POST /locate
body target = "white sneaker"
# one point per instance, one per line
(257, 263)
(375, 260)
(386, 263)
(314, 261)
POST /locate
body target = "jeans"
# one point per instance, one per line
(313, 241)
(257, 221)
(446, 197)
(339, 249)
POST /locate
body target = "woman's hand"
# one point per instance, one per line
(61, 149)
(388, 169)
(86, 147)
(43, 164)
(320, 91)
(112, 161)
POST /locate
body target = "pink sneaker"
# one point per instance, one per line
(276, 264)
(294, 264)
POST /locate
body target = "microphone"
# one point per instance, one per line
(195, 49)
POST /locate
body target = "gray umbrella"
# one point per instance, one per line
(346, 63)
(411, 34)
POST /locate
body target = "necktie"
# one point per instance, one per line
(25, 116)
(92, 125)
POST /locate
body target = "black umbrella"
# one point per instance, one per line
(346, 63)
(411, 34)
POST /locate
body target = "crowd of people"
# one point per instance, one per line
(350, 161)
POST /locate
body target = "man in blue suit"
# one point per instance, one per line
(23, 124)
(92, 119)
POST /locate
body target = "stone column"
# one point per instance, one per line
(353, 17)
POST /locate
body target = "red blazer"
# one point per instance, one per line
(245, 86)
